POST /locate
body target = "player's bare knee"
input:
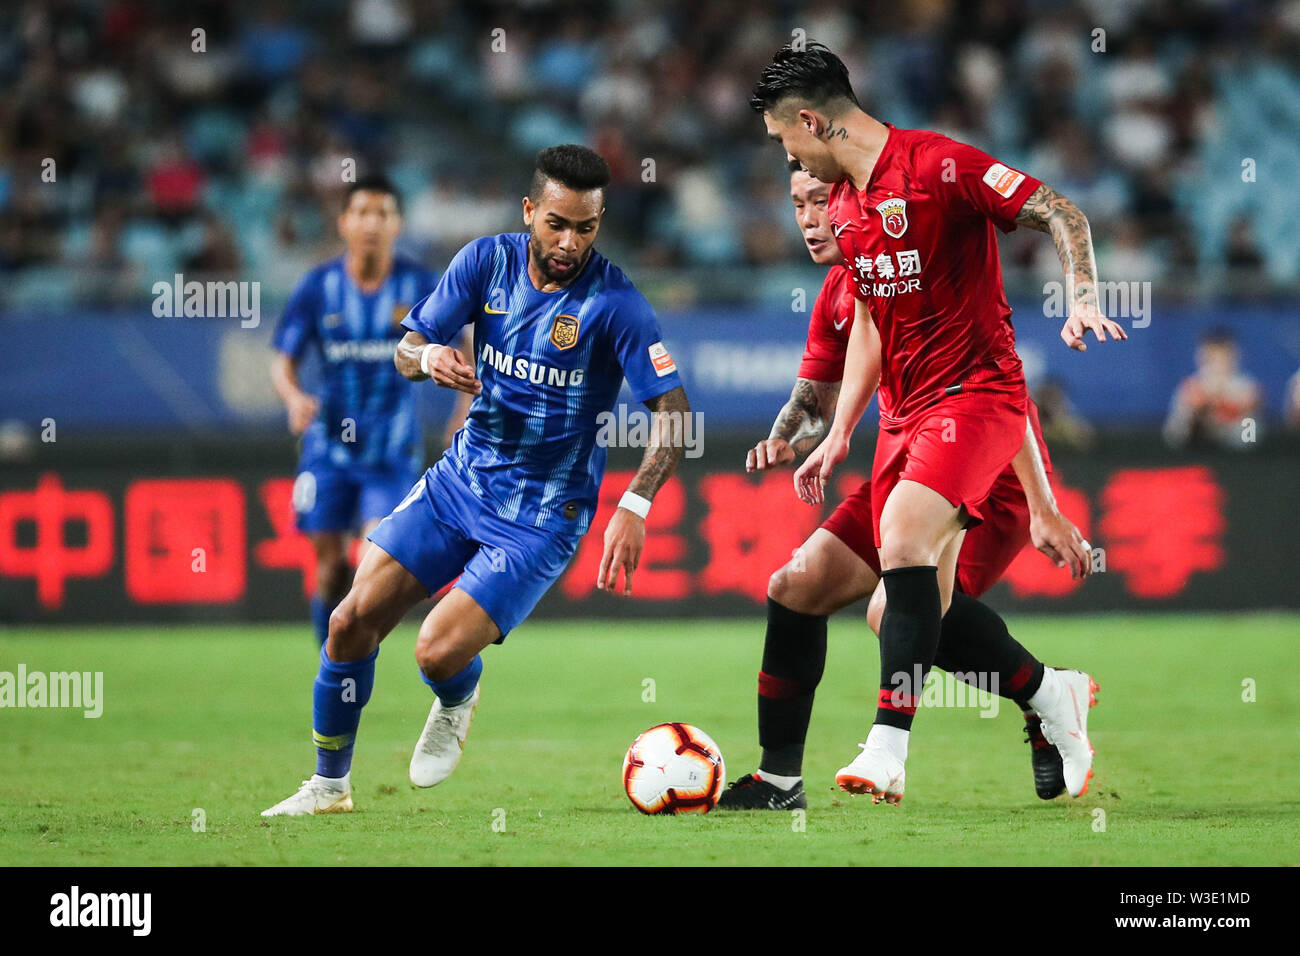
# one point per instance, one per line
(790, 589)
(875, 611)
(352, 633)
(434, 660)
(905, 554)
(777, 585)
(426, 658)
(342, 618)
(343, 623)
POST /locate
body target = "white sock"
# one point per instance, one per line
(1048, 693)
(893, 739)
(459, 703)
(336, 783)
(783, 783)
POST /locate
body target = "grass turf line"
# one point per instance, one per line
(218, 719)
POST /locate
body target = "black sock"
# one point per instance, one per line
(794, 656)
(909, 637)
(974, 640)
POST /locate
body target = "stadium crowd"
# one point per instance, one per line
(141, 138)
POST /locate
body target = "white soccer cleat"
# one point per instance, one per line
(317, 795)
(875, 771)
(440, 745)
(1065, 725)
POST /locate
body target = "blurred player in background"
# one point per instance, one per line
(362, 445)
(1208, 406)
(839, 563)
(1291, 403)
(1063, 426)
(557, 328)
(913, 213)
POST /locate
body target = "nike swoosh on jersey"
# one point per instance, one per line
(841, 323)
(491, 311)
(838, 229)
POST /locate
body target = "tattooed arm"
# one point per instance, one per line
(1050, 212)
(799, 426)
(625, 533)
(664, 449)
(861, 376)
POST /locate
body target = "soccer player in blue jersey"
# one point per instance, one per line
(361, 443)
(556, 329)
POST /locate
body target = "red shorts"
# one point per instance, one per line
(851, 523)
(994, 543)
(988, 550)
(989, 547)
(957, 447)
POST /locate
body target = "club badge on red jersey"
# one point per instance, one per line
(894, 213)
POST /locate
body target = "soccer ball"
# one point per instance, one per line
(673, 768)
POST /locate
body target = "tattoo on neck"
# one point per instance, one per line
(831, 131)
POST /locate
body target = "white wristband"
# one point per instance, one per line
(635, 503)
(424, 358)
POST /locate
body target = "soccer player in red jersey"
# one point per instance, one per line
(914, 213)
(839, 563)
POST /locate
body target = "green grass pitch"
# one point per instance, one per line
(217, 720)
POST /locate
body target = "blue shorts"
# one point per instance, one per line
(329, 498)
(441, 529)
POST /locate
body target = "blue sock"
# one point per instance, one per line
(341, 690)
(320, 619)
(458, 687)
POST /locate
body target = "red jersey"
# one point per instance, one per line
(920, 246)
(828, 343)
(829, 328)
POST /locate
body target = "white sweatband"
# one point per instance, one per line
(635, 503)
(424, 359)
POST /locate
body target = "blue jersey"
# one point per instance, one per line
(550, 363)
(367, 413)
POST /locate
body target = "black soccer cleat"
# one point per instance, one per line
(750, 793)
(1049, 775)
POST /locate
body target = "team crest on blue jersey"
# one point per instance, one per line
(894, 213)
(400, 312)
(564, 332)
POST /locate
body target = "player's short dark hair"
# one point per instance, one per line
(374, 183)
(813, 75)
(1218, 335)
(576, 167)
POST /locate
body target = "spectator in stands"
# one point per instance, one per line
(217, 254)
(103, 269)
(288, 91)
(1243, 252)
(1219, 403)
(1062, 425)
(174, 181)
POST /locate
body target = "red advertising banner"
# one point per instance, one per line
(82, 543)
